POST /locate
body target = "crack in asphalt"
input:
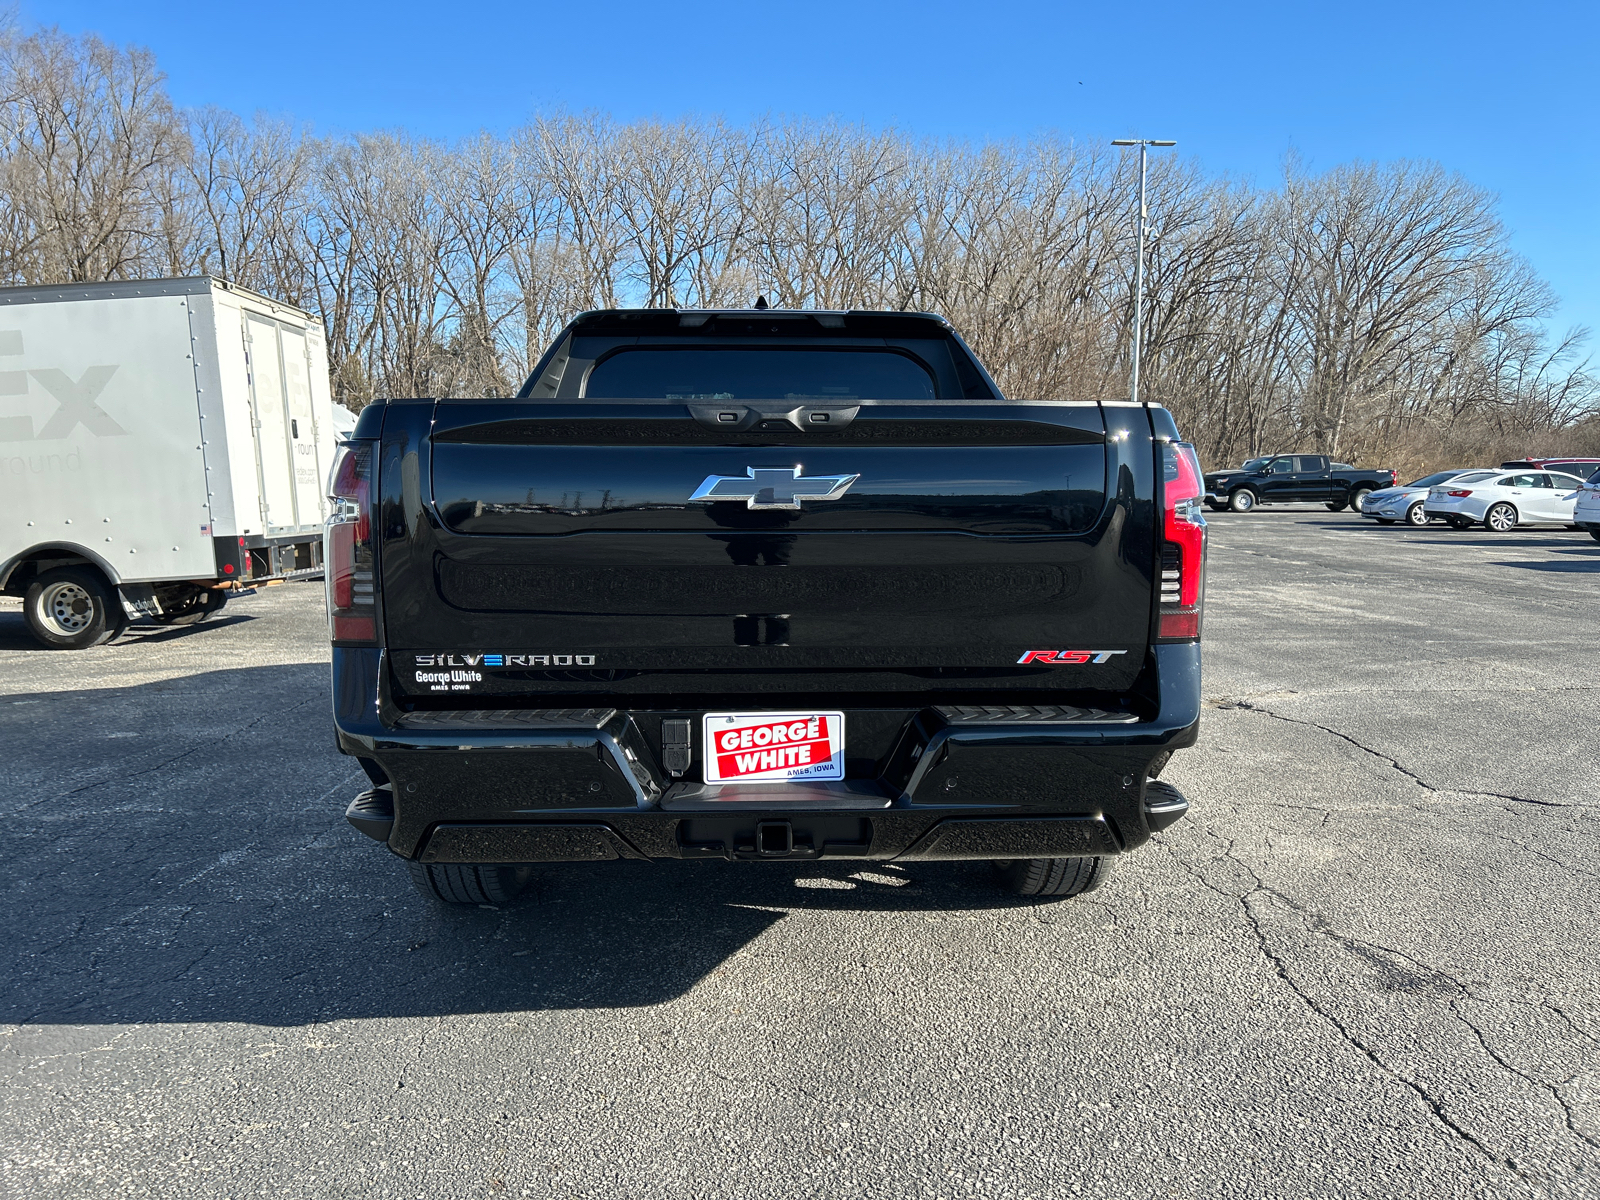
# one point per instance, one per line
(1395, 763)
(1368, 950)
(1346, 1034)
(1553, 1088)
(1319, 925)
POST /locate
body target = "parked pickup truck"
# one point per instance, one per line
(1296, 478)
(770, 586)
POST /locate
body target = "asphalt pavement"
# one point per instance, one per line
(1365, 966)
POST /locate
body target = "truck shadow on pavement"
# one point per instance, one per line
(178, 853)
(14, 633)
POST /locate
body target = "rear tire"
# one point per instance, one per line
(1595, 534)
(1385, 520)
(1053, 876)
(1501, 518)
(1242, 501)
(470, 883)
(1460, 523)
(73, 608)
(1334, 507)
(1416, 514)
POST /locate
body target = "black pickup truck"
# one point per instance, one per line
(763, 585)
(1294, 478)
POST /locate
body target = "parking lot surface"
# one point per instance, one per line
(1364, 966)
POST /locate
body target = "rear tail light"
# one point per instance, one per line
(348, 557)
(1183, 549)
(1460, 492)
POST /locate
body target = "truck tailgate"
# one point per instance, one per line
(546, 549)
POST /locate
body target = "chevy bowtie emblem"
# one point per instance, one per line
(780, 487)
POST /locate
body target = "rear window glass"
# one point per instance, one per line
(1433, 480)
(704, 373)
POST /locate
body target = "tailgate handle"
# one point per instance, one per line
(740, 418)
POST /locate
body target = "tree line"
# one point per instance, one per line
(1365, 311)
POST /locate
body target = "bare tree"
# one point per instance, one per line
(91, 148)
(1367, 310)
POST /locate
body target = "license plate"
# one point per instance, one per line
(765, 747)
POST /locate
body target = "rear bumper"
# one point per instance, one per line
(587, 784)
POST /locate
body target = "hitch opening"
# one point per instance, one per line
(774, 838)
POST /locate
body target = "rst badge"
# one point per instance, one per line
(782, 487)
(1061, 658)
(772, 747)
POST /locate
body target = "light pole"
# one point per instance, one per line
(1144, 145)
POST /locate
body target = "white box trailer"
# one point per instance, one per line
(161, 442)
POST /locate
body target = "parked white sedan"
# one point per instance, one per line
(1587, 511)
(1503, 501)
(1404, 501)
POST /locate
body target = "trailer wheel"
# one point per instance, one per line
(194, 607)
(1053, 876)
(72, 608)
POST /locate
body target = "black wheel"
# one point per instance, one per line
(1242, 501)
(1385, 520)
(1334, 507)
(193, 607)
(1459, 523)
(1053, 876)
(1595, 534)
(1356, 497)
(1416, 514)
(72, 608)
(470, 883)
(1501, 518)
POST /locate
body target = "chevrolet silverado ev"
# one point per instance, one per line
(764, 585)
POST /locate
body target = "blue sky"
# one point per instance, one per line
(1504, 94)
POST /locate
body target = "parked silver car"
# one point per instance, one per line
(1403, 502)
(1587, 511)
